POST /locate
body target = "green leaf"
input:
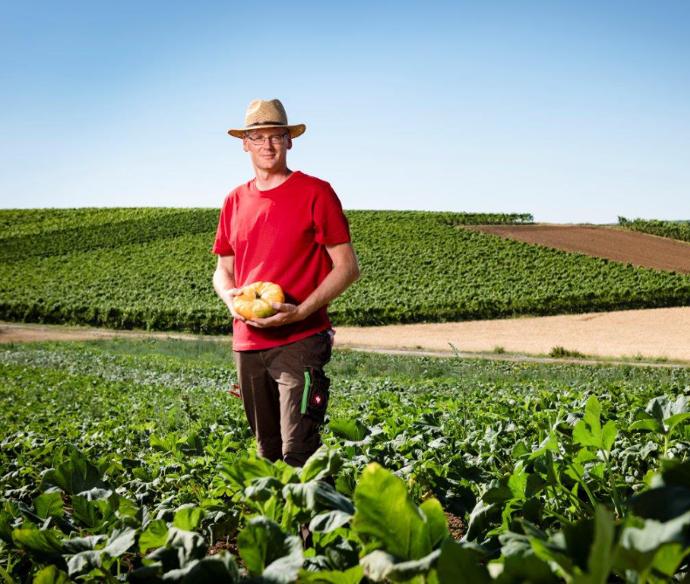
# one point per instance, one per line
(190, 444)
(154, 536)
(668, 559)
(519, 450)
(640, 547)
(526, 558)
(127, 508)
(243, 471)
(528, 568)
(660, 408)
(437, 524)
(608, 435)
(51, 575)
(650, 424)
(573, 546)
(602, 549)
(49, 505)
(181, 548)
(388, 515)
(188, 517)
(84, 562)
(380, 566)
(120, 541)
(668, 414)
(662, 503)
(6, 526)
(74, 545)
(323, 463)
(593, 415)
(262, 489)
(459, 564)
(676, 472)
(285, 569)
(262, 542)
(352, 576)
(317, 496)
(517, 483)
(481, 519)
(42, 541)
(85, 512)
(217, 569)
(583, 435)
(675, 420)
(350, 429)
(377, 565)
(329, 521)
(548, 444)
(93, 513)
(587, 431)
(654, 534)
(74, 475)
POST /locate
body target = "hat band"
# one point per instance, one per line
(267, 123)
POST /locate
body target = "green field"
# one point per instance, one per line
(151, 268)
(129, 460)
(672, 229)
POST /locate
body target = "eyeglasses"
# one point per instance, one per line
(259, 140)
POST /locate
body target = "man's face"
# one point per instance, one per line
(268, 148)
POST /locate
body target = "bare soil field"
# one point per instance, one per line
(660, 333)
(639, 249)
(649, 334)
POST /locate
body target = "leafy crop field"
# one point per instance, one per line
(151, 268)
(129, 460)
(672, 229)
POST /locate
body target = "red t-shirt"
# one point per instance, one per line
(279, 235)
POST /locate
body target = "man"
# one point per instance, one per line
(288, 228)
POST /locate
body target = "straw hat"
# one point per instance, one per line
(267, 114)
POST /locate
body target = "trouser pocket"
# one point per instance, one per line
(315, 394)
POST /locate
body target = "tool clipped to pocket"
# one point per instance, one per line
(315, 394)
(234, 390)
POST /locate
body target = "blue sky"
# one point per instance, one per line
(574, 111)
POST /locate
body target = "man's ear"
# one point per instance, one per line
(289, 142)
(245, 146)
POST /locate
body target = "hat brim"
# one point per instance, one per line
(295, 130)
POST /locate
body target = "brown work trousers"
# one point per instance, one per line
(271, 384)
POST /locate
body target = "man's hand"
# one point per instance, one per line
(228, 297)
(345, 271)
(287, 313)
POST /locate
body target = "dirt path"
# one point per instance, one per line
(15, 332)
(620, 245)
(662, 333)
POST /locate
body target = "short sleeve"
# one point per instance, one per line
(221, 245)
(330, 224)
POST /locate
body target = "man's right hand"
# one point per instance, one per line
(228, 297)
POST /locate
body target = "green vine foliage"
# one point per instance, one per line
(152, 269)
(672, 229)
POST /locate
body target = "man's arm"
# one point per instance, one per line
(224, 282)
(345, 271)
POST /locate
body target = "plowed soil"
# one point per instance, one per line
(630, 247)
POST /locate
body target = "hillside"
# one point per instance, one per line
(151, 268)
(672, 229)
(633, 247)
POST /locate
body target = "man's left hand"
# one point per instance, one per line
(286, 314)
